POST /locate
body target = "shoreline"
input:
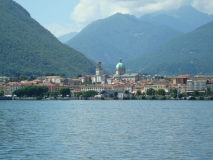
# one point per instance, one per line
(92, 98)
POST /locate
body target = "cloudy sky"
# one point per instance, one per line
(64, 16)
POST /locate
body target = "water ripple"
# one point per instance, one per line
(123, 130)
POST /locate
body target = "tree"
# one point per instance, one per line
(208, 91)
(31, 91)
(196, 93)
(138, 92)
(1, 93)
(32, 77)
(150, 91)
(79, 75)
(180, 95)
(63, 75)
(115, 94)
(78, 94)
(64, 91)
(173, 93)
(89, 93)
(161, 92)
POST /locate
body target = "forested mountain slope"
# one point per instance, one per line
(190, 53)
(27, 47)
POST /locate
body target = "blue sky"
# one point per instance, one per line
(63, 16)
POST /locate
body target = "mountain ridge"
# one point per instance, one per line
(117, 36)
(190, 53)
(184, 19)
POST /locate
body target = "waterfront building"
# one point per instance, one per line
(11, 87)
(196, 83)
(52, 79)
(210, 85)
(92, 87)
(181, 79)
(73, 81)
(161, 84)
(99, 77)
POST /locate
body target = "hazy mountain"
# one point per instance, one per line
(67, 37)
(27, 47)
(120, 36)
(190, 53)
(184, 19)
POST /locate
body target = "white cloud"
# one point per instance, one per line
(205, 6)
(90, 10)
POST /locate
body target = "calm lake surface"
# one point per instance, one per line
(123, 130)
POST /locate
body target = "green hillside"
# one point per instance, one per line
(28, 48)
(120, 36)
(189, 53)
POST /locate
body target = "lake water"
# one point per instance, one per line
(124, 130)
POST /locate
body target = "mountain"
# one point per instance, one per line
(184, 19)
(190, 53)
(26, 47)
(67, 37)
(120, 36)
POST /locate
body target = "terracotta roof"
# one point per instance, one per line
(182, 76)
(93, 85)
(209, 82)
(138, 87)
(45, 84)
(14, 83)
(52, 77)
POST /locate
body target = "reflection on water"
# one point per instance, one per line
(106, 130)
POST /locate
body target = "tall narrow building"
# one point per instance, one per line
(98, 69)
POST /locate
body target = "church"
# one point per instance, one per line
(99, 77)
(122, 75)
(119, 75)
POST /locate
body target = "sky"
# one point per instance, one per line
(64, 16)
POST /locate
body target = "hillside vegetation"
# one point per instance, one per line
(26, 47)
(190, 53)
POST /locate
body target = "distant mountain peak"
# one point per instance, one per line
(188, 9)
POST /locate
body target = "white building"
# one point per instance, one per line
(53, 79)
(122, 75)
(196, 84)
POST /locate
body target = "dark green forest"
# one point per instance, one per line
(190, 53)
(26, 47)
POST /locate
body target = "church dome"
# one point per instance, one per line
(120, 65)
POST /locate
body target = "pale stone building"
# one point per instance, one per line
(122, 75)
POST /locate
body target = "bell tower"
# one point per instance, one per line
(98, 69)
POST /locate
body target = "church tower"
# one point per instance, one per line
(120, 68)
(98, 69)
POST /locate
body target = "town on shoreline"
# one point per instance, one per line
(120, 85)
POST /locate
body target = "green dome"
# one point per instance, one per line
(120, 65)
